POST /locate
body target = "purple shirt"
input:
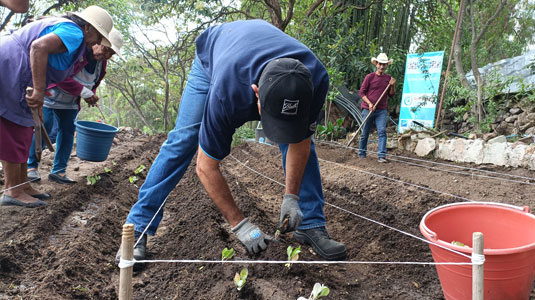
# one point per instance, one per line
(16, 73)
(372, 87)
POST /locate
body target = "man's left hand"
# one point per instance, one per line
(290, 209)
(392, 81)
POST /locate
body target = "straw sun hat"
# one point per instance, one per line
(381, 58)
(116, 39)
(100, 19)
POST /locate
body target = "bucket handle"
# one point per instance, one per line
(432, 235)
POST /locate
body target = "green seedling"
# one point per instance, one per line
(132, 179)
(139, 169)
(91, 180)
(107, 170)
(240, 278)
(293, 255)
(227, 254)
(318, 291)
(460, 244)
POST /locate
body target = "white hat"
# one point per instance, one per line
(100, 19)
(381, 58)
(116, 39)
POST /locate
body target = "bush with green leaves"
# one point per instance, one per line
(331, 131)
(243, 133)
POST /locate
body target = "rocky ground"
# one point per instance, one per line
(66, 249)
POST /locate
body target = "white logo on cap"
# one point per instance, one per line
(289, 107)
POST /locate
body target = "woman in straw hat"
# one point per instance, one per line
(374, 95)
(38, 54)
(62, 103)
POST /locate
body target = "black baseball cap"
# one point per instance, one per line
(286, 94)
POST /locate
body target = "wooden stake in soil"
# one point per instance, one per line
(478, 259)
(127, 253)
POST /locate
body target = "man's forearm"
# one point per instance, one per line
(217, 188)
(365, 99)
(296, 162)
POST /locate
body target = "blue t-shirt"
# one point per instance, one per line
(233, 56)
(72, 37)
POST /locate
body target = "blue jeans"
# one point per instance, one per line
(177, 152)
(379, 117)
(64, 118)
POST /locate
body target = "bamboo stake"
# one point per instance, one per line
(478, 259)
(127, 253)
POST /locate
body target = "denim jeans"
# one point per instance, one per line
(64, 118)
(178, 150)
(379, 117)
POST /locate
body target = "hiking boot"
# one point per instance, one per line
(140, 250)
(382, 160)
(322, 243)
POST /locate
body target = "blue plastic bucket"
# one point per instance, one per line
(93, 140)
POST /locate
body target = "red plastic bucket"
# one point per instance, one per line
(509, 242)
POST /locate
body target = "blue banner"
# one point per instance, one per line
(420, 90)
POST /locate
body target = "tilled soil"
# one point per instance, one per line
(66, 249)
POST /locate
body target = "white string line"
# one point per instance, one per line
(462, 173)
(198, 261)
(362, 217)
(29, 181)
(384, 177)
(437, 163)
(397, 180)
(153, 217)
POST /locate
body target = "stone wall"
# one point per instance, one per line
(496, 151)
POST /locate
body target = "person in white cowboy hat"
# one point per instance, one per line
(36, 55)
(62, 103)
(374, 96)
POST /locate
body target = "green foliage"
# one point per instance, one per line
(227, 254)
(242, 133)
(240, 278)
(331, 131)
(92, 180)
(293, 255)
(108, 170)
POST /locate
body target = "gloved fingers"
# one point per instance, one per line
(283, 224)
(262, 245)
(256, 249)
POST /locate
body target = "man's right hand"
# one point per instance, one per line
(290, 209)
(251, 236)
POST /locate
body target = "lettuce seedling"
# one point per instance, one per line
(227, 254)
(240, 278)
(91, 180)
(139, 169)
(318, 291)
(107, 170)
(132, 179)
(293, 254)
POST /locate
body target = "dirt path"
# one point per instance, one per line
(66, 250)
